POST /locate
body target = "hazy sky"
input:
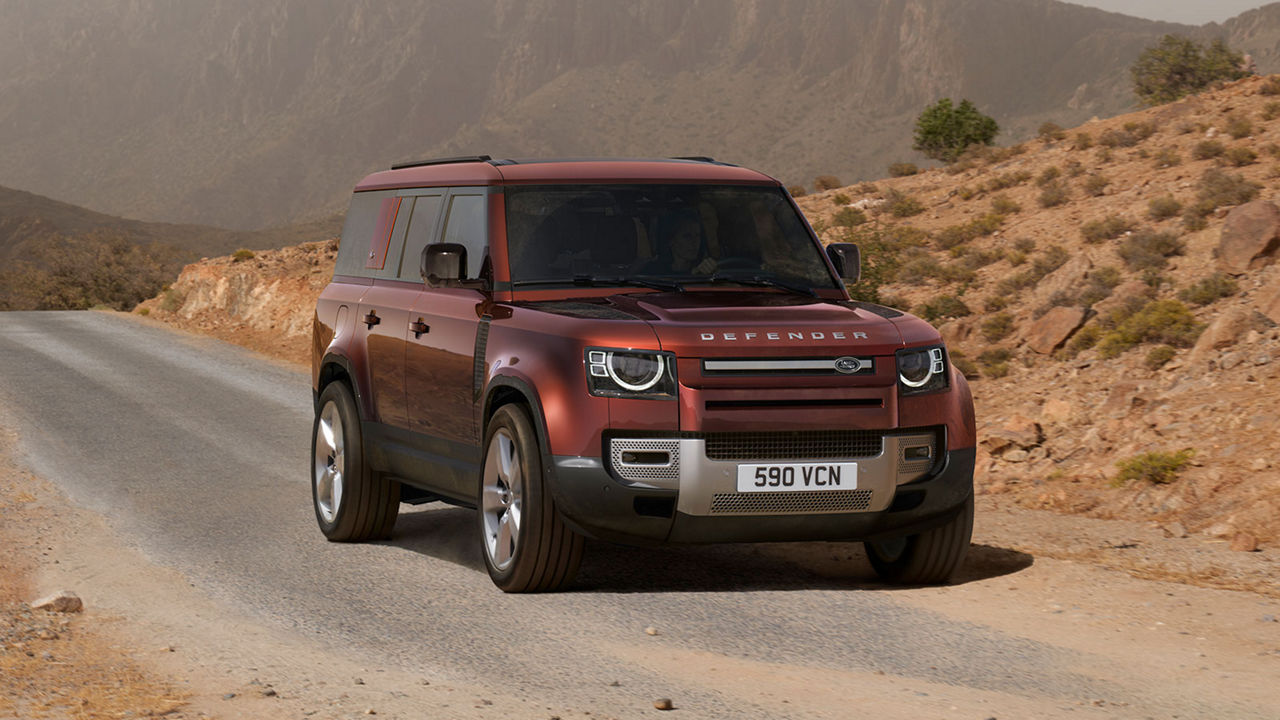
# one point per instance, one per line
(1191, 12)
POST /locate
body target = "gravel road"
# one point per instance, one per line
(196, 454)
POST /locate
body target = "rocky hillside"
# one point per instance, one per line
(248, 114)
(1112, 290)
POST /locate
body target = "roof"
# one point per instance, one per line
(480, 170)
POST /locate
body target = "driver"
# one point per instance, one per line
(685, 251)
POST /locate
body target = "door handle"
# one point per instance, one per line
(419, 328)
(372, 319)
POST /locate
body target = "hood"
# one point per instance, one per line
(754, 324)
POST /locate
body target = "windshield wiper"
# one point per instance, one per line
(759, 281)
(592, 281)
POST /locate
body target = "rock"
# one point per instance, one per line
(651, 630)
(1250, 236)
(1067, 278)
(1244, 542)
(1269, 304)
(63, 601)
(1174, 529)
(996, 442)
(1037, 453)
(663, 704)
(1124, 396)
(1016, 456)
(1053, 328)
(1024, 431)
(1121, 295)
(1056, 410)
(1259, 464)
(1224, 331)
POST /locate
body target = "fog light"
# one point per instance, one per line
(646, 458)
(922, 452)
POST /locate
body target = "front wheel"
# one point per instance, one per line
(527, 546)
(929, 558)
(352, 502)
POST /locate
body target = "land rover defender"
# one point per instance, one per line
(639, 351)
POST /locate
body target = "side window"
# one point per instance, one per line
(358, 233)
(396, 212)
(465, 225)
(422, 226)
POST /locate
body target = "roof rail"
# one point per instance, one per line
(442, 161)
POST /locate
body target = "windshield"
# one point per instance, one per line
(682, 234)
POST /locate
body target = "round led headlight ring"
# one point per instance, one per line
(635, 372)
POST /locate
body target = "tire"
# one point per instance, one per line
(929, 558)
(525, 543)
(352, 503)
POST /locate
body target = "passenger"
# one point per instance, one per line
(685, 252)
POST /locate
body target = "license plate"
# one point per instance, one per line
(797, 477)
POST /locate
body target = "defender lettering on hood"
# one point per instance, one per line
(789, 335)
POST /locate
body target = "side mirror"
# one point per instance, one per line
(847, 259)
(443, 264)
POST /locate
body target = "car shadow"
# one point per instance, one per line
(449, 534)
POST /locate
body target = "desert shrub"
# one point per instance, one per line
(1273, 149)
(241, 255)
(1195, 218)
(1210, 289)
(1153, 278)
(963, 364)
(1238, 126)
(1015, 257)
(1240, 156)
(826, 182)
(144, 311)
(903, 169)
(171, 300)
(943, 306)
(918, 269)
(1108, 228)
(1208, 149)
(1085, 338)
(1162, 321)
(1024, 244)
(1163, 208)
(979, 258)
(1050, 132)
(944, 131)
(1167, 158)
(866, 188)
(1271, 86)
(1004, 205)
(1054, 194)
(1220, 189)
(797, 190)
(964, 192)
(1271, 110)
(1007, 180)
(1149, 249)
(881, 258)
(1159, 468)
(1098, 286)
(1053, 257)
(995, 362)
(1048, 175)
(1158, 356)
(849, 217)
(100, 269)
(995, 303)
(902, 205)
(1095, 185)
(1103, 156)
(840, 199)
(997, 327)
(1178, 66)
(1083, 141)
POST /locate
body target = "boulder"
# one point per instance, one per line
(1067, 278)
(63, 601)
(1053, 328)
(1269, 304)
(1056, 410)
(1250, 237)
(1244, 542)
(1225, 331)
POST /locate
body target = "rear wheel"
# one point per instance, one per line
(527, 546)
(929, 558)
(352, 502)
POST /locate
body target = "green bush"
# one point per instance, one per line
(1162, 321)
(997, 327)
(1240, 156)
(963, 364)
(849, 217)
(903, 169)
(995, 303)
(943, 306)
(826, 182)
(1163, 208)
(1208, 149)
(1210, 289)
(144, 311)
(1096, 185)
(1054, 194)
(241, 255)
(995, 362)
(944, 131)
(840, 199)
(964, 192)
(1150, 249)
(901, 205)
(1004, 205)
(1159, 355)
(1108, 228)
(1153, 467)
(1085, 338)
(1178, 66)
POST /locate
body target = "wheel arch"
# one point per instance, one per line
(506, 390)
(337, 368)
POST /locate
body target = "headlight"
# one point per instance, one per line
(631, 373)
(922, 370)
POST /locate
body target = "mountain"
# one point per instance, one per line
(250, 113)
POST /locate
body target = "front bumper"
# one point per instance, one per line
(699, 502)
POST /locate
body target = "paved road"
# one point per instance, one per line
(196, 452)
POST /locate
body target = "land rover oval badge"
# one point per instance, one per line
(848, 365)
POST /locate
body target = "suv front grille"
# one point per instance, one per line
(793, 445)
(782, 503)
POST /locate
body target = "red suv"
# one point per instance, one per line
(644, 351)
